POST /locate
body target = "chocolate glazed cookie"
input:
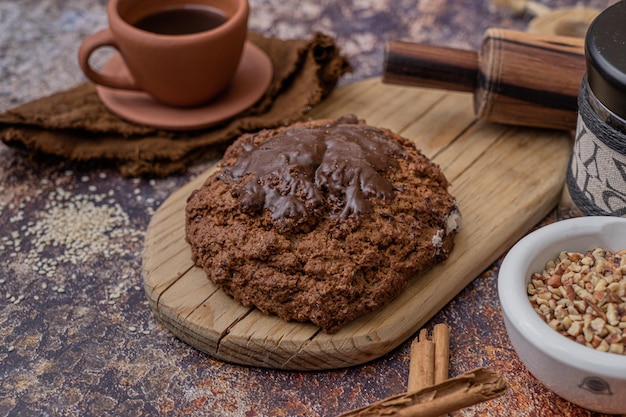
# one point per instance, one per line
(322, 221)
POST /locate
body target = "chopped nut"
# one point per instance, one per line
(580, 306)
(613, 338)
(595, 342)
(583, 297)
(560, 312)
(556, 324)
(576, 317)
(611, 314)
(588, 333)
(554, 281)
(575, 328)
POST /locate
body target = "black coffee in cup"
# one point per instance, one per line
(182, 20)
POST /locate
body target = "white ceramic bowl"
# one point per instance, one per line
(586, 377)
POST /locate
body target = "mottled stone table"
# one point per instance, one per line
(76, 335)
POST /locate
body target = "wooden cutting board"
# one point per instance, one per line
(506, 179)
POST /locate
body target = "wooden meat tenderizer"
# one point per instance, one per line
(517, 78)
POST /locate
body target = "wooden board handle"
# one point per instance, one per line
(517, 78)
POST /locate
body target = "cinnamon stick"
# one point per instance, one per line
(453, 394)
(421, 362)
(441, 337)
(429, 359)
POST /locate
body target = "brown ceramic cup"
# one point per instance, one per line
(176, 69)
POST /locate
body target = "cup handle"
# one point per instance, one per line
(87, 47)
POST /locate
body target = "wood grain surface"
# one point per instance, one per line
(513, 75)
(505, 179)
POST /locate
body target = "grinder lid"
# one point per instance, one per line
(605, 51)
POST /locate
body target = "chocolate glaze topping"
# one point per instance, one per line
(298, 170)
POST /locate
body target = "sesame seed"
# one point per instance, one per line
(70, 229)
(66, 228)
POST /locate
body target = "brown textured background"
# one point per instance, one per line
(79, 340)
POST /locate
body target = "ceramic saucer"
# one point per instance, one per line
(253, 76)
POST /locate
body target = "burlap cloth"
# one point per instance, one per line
(75, 125)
